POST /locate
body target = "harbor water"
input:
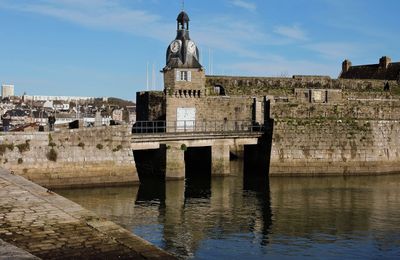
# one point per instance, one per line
(243, 217)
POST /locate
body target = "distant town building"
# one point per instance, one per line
(61, 107)
(117, 115)
(56, 98)
(48, 104)
(7, 90)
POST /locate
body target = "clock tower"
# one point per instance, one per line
(184, 76)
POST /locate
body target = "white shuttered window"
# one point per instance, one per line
(183, 75)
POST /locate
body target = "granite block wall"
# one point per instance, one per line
(331, 147)
(261, 86)
(213, 108)
(71, 158)
(174, 87)
(150, 106)
(357, 109)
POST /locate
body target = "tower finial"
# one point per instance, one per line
(183, 5)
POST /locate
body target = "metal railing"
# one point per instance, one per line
(187, 126)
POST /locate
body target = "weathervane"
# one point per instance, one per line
(183, 5)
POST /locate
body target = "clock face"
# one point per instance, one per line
(191, 47)
(175, 46)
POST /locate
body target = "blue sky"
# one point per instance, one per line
(101, 47)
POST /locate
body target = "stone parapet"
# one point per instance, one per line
(261, 86)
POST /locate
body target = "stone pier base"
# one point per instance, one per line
(220, 159)
(175, 161)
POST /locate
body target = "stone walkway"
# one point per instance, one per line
(8, 251)
(52, 227)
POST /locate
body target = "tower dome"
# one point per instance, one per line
(182, 52)
(183, 16)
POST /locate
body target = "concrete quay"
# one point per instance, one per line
(42, 224)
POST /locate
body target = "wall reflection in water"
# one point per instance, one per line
(244, 216)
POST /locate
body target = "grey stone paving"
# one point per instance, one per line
(8, 251)
(52, 227)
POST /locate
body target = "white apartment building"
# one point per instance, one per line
(7, 90)
(56, 98)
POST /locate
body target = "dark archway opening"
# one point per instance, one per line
(150, 164)
(250, 161)
(198, 172)
(219, 90)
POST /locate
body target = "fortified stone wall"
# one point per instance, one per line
(331, 147)
(79, 157)
(213, 108)
(150, 106)
(261, 86)
(358, 109)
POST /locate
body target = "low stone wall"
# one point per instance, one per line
(71, 158)
(332, 147)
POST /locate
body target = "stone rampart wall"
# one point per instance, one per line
(259, 86)
(80, 157)
(357, 109)
(331, 147)
(150, 106)
(213, 108)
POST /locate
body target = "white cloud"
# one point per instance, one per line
(230, 35)
(292, 32)
(335, 50)
(245, 5)
(98, 14)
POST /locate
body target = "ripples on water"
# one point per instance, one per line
(233, 218)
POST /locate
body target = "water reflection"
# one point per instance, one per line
(247, 217)
(355, 216)
(202, 208)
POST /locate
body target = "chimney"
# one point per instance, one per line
(384, 62)
(346, 66)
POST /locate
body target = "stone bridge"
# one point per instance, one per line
(222, 144)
